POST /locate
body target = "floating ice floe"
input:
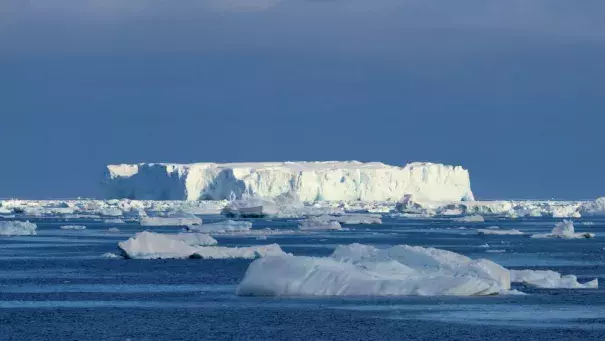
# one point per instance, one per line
(362, 270)
(114, 221)
(548, 279)
(149, 245)
(500, 232)
(470, 219)
(222, 227)
(73, 227)
(110, 212)
(315, 223)
(352, 218)
(113, 229)
(564, 230)
(110, 255)
(17, 228)
(251, 207)
(174, 219)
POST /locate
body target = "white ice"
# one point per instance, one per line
(174, 219)
(222, 227)
(470, 219)
(550, 280)
(362, 270)
(352, 218)
(72, 227)
(512, 232)
(315, 223)
(565, 230)
(149, 245)
(17, 228)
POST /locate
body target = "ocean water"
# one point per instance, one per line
(56, 286)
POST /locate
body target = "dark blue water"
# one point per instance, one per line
(56, 286)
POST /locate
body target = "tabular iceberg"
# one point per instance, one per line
(310, 181)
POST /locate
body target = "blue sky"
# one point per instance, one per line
(511, 90)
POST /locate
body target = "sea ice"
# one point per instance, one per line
(315, 223)
(470, 219)
(222, 227)
(352, 218)
(72, 227)
(565, 230)
(114, 221)
(149, 245)
(17, 228)
(500, 232)
(548, 279)
(363, 270)
(174, 219)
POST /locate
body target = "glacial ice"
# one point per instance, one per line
(150, 245)
(251, 207)
(596, 207)
(362, 270)
(17, 228)
(310, 181)
(564, 229)
(548, 279)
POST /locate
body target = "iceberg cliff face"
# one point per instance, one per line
(311, 181)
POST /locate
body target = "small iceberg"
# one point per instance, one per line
(150, 245)
(352, 218)
(500, 232)
(317, 224)
(222, 227)
(175, 219)
(470, 219)
(72, 227)
(17, 228)
(548, 279)
(564, 230)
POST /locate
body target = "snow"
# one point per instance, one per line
(512, 232)
(17, 228)
(548, 279)
(150, 245)
(310, 181)
(315, 223)
(470, 219)
(222, 227)
(72, 227)
(564, 229)
(362, 270)
(175, 219)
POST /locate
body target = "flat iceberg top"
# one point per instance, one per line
(309, 181)
(126, 170)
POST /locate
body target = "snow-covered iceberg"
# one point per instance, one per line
(150, 245)
(565, 230)
(251, 207)
(548, 279)
(310, 181)
(361, 270)
(17, 228)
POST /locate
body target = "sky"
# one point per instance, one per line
(511, 90)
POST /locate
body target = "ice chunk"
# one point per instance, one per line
(251, 207)
(565, 230)
(17, 228)
(110, 212)
(512, 232)
(470, 219)
(352, 218)
(174, 219)
(363, 270)
(110, 255)
(72, 227)
(548, 279)
(222, 227)
(149, 245)
(113, 229)
(318, 224)
(114, 221)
